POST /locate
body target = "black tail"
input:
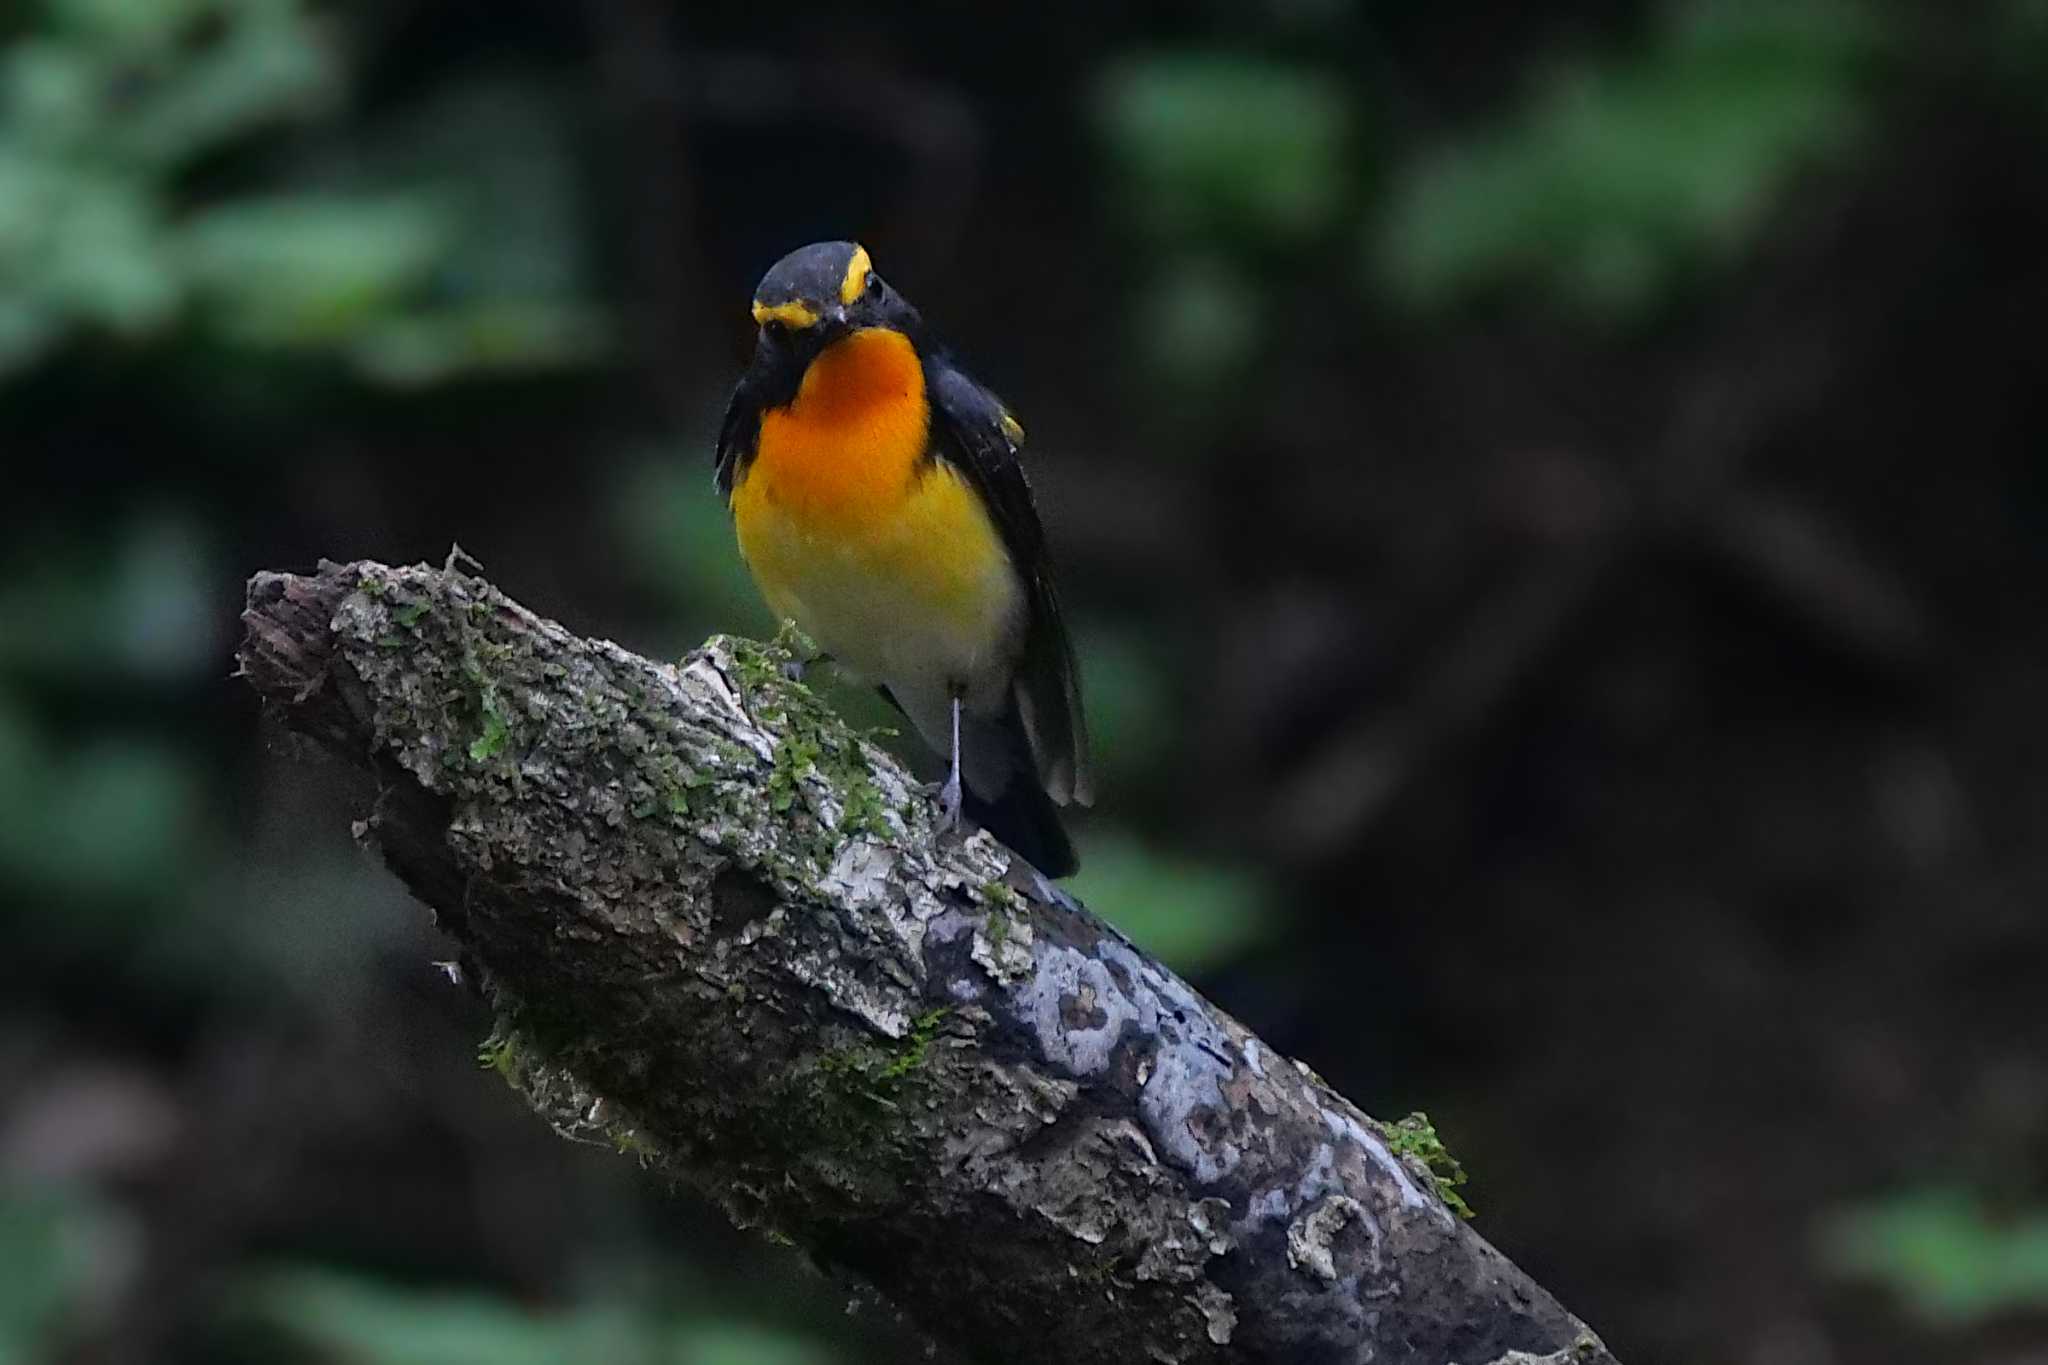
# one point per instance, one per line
(1025, 818)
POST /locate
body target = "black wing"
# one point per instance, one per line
(736, 436)
(973, 432)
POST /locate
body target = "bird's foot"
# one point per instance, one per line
(797, 667)
(949, 804)
(799, 651)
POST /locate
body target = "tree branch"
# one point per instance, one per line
(718, 935)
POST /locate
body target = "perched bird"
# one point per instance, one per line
(879, 503)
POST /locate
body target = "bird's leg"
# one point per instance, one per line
(949, 793)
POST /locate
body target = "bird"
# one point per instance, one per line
(880, 504)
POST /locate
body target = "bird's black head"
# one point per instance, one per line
(818, 293)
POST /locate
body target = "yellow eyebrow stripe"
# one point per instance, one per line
(788, 314)
(856, 281)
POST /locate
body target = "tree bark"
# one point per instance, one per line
(719, 933)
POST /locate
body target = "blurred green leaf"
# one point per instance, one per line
(1226, 145)
(52, 95)
(1192, 914)
(80, 246)
(113, 819)
(739, 1344)
(1198, 320)
(60, 1251)
(1618, 177)
(508, 290)
(140, 605)
(104, 261)
(375, 1324)
(427, 347)
(271, 63)
(96, 119)
(1129, 696)
(128, 25)
(116, 818)
(119, 85)
(1943, 1254)
(446, 245)
(315, 268)
(28, 328)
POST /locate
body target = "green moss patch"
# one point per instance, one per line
(1416, 1136)
(812, 741)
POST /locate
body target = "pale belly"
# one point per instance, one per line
(920, 599)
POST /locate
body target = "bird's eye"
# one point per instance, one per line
(778, 331)
(868, 283)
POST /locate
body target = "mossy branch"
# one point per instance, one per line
(719, 936)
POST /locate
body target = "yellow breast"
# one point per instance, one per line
(887, 559)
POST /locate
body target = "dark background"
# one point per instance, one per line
(1553, 497)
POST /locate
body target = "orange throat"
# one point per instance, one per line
(841, 453)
